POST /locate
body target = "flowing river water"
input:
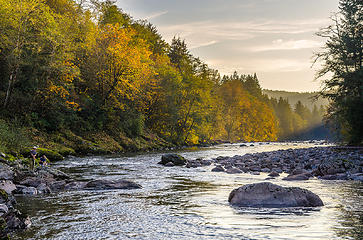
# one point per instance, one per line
(186, 203)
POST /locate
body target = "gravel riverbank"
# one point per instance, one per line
(330, 163)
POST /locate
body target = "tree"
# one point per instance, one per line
(117, 66)
(342, 57)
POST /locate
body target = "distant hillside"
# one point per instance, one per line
(306, 98)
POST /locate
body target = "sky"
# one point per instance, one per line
(273, 38)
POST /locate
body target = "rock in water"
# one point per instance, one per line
(111, 184)
(266, 194)
(298, 177)
(176, 159)
(218, 169)
(274, 174)
(233, 170)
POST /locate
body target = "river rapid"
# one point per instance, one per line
(186, 203)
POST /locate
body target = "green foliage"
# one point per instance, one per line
(12, 137)
(51, 155)
(342, 58)
(84, 71)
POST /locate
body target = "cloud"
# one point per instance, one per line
(239, 30)
(280, 44)
(156, 15)
(252, 65)
(204, 44)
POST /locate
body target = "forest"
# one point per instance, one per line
(77, 73)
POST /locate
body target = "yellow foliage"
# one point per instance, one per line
(123, 65)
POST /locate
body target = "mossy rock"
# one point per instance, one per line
(66, 151)
(51, 155)
(4, 195)
(25, 161)
(10, 158)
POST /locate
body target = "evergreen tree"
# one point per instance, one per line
(343, 57)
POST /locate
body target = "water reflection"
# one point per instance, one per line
(350, 212)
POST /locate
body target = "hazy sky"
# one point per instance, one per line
(274, 38)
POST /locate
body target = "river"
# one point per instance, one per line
(186, 203)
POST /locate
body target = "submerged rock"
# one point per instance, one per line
(173, 158)
(298, 177)
(57, 185)
(274, 174)
(341, 176)
(111, 184)
(266, 194)
(75, 185)
(169, 164)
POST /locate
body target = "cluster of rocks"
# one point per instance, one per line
(16, 178)
(301, 164)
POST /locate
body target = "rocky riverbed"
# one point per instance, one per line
(301, 164)
(329, 163)
(17, 179)
(191, 202)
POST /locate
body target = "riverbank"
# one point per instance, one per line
(329, 163)
(58, 145)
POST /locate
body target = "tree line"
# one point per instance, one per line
(88, 67)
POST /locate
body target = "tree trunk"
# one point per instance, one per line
(12, 79)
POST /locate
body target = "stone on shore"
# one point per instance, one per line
(5, 172)
(7, 185)
(3, 209)
(176, 159)
(15, 220)
(269, 195)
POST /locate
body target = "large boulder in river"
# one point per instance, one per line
(111, 184)
(266, 194)
(173, 158)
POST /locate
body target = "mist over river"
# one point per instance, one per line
(186, 203)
